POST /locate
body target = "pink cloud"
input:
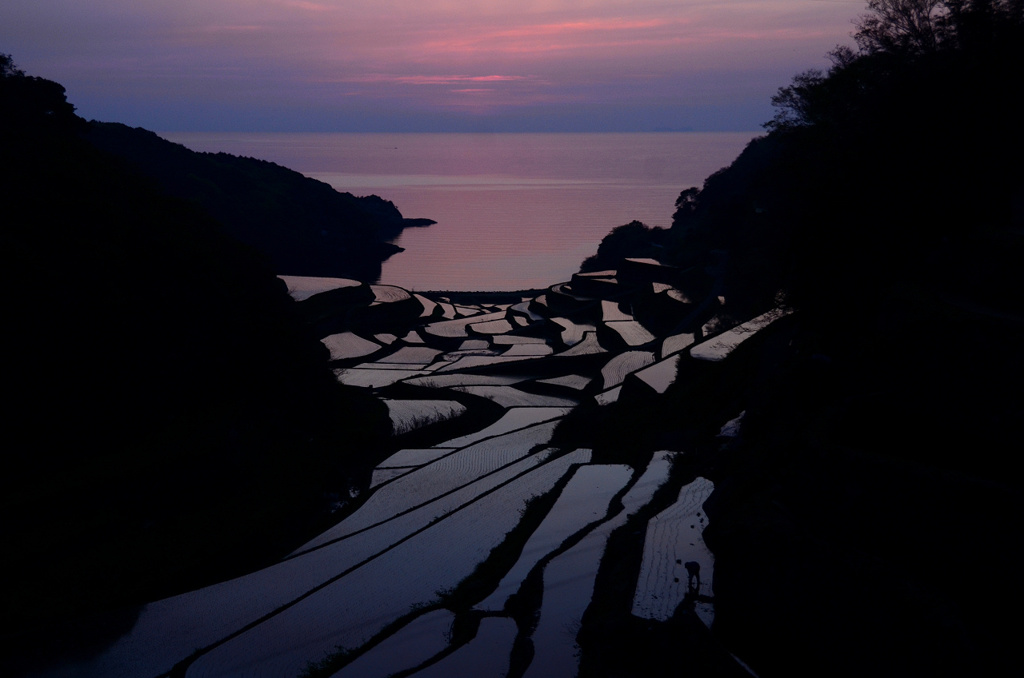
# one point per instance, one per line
(450, 79)
(589, 26)
(550, 37)
(428, 79)
(419, 54)
(308, 6)
(240, 28)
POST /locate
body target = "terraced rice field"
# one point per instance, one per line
(418, 641)
(673, 540)
(583, 501)
(498, 512)
(570, 577)
(624, 364)
(408, 415)
(349, 345)
(718, 348)
(303, 287)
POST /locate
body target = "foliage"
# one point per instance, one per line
(901, 26)
(33, 103)
(7, 67)
(886, 202)
(634, 239)
(904, 154)
(173, 420)
(899, 37)
(911, 28)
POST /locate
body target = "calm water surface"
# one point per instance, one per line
(513, 211)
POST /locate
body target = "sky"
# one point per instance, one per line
(425, 65)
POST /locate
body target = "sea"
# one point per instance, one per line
(513, 211)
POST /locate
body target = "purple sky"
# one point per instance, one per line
(425, 65)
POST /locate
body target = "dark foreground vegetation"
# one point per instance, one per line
(170, 421)
(860, 525)
(174, 422)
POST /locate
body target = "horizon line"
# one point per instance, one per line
(654, 131)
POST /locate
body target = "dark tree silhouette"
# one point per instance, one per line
(160, 382)
(634, 239)
(7, 67)
(901, 26)
(886, 204)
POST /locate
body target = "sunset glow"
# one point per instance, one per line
(392, 65)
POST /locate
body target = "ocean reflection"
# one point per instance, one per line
(513, 211)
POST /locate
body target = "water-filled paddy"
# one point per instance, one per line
(460, 528)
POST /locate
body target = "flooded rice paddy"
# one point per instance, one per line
(480, 554)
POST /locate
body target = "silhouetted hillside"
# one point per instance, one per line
(902, 162)
(303, 226)
(171, 421)
(860, 519)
